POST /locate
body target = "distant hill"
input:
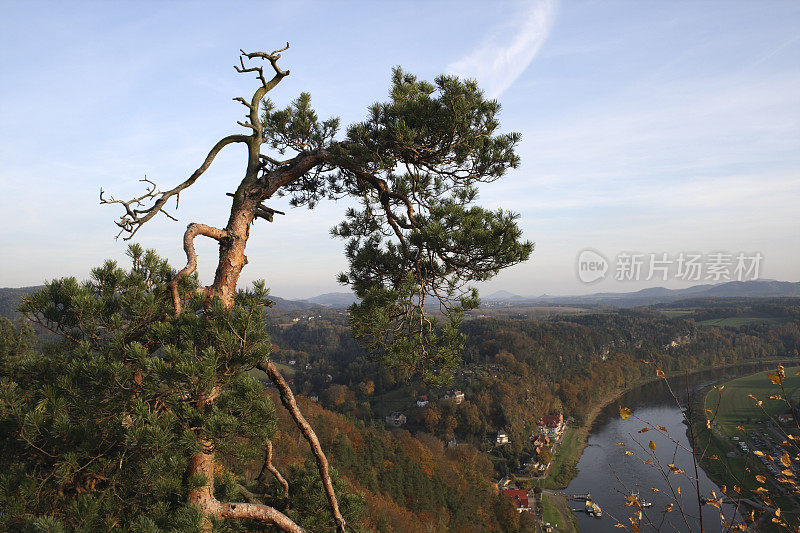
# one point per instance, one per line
(760, 288)
(501, 296)
(11, 297)
(339, 300)
(655, 295)
(291, 305)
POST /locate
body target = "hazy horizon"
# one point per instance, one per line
(646, 128)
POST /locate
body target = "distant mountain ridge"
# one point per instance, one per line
(503, 296)
(11, 297)
(333, 299)
(652, 295)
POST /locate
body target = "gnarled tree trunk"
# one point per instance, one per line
(256, 186)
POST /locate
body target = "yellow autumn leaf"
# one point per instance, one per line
(775, 379)
(786, 460)
(624, 412)
(761, 479)
(643, 430)
(660, 373)
(652, 445)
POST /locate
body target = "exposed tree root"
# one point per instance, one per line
(202, 463)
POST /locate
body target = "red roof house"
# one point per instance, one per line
(519, 497)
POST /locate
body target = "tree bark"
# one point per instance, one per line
(202, 463)
(252, 190)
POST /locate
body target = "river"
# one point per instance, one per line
(604, 460)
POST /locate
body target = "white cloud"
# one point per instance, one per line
(504, 54)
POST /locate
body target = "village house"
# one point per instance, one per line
(551, 425)
(455, 395)
(502, 438)
(422, 401)
(519, 498)
(540, 443)
(785, 419)
(395, 419)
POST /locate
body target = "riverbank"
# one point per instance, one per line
(556, 511)
(580, 434)
(733, 411)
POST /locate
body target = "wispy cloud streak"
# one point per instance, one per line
(504, 54)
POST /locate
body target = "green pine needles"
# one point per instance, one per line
(97, 426)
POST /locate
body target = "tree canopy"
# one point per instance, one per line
(413, 167)
(417, 239)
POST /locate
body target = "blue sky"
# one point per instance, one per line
(656, 127)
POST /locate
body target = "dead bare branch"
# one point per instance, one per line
(134, 218)
(289, 402)
(269, 467)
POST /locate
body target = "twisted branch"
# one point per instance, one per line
(192, 230)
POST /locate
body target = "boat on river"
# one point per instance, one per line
(593, 509)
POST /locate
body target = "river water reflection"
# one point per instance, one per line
(604, 460)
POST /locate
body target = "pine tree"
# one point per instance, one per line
(153, 349)
(97, 429)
